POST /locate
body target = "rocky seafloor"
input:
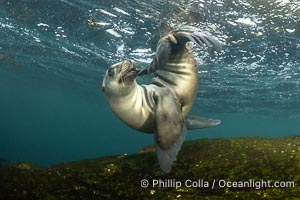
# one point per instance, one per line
(202, 170)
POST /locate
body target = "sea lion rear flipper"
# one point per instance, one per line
(170, 129)
(163, 52)
(198, 38)
(176, 40)
(196, 122)
(147, 70)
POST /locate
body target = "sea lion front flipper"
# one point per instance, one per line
(196, 122)
(170, 129)
(167, 157)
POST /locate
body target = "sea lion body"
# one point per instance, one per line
(180, 74)
(179, 78)
(162, 106)
(136, 108)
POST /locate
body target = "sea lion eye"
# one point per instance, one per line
(111, 72)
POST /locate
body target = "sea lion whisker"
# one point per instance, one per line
(123, 81)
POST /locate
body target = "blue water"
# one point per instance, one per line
(53, 55)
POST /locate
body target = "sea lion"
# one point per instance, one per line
(162, 106)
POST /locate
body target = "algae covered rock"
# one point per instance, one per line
(241, 168)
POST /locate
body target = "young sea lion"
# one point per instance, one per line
(162, 106)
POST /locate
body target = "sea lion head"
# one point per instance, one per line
(120, 78)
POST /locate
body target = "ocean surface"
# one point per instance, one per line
(54, 53)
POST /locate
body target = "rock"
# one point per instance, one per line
(147, 149)
(238, 168)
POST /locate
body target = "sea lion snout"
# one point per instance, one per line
(122, 73)
(128, 68)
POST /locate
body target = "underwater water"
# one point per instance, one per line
(54, 53)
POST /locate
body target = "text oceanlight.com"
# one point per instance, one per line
(220, 183)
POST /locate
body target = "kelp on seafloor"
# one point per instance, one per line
(203, 161)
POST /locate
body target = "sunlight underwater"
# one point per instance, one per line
(53, 56)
